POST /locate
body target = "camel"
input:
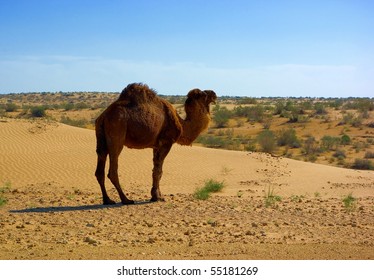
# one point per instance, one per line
(140, 119)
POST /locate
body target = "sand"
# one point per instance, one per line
(54, 210)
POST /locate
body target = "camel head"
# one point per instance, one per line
(199, 101)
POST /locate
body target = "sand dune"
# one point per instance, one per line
(54, 211)
(34, 152)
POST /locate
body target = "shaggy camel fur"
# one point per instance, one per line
(140, 119)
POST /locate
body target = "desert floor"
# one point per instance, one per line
(53, 203)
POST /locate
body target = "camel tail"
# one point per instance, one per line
(101, 144)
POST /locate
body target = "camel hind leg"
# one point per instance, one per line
(102, 153)
(100, 176)
(114, 152)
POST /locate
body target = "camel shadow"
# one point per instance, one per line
(53, 209)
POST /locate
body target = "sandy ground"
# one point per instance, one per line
(54, 210)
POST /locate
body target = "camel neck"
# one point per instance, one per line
(192, 127)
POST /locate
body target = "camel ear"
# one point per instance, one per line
(211, 96)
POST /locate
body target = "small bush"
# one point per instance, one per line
(3, 201)
(38, 112)
(221, 116)
(209, 187)
(72, 122)
(252, 113)
(369, 154)
(81, 106)
(3, 190)
(364, 104)
(247, 100)
(266, 140)
(256, 113)
(279, 107)
(363, 164)
(214, 186)
(211, 141)
(330, 143)
(320, 109)
(201, 194)
(350, 202)
(357, 122)
(340, 154)
(297, 198)
(350, 119)
(271, 198)
(68, 106)
(311, 147)
(345, 140)
(287, 137)
(11, 107)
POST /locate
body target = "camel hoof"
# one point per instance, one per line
(128, 202)
(157, 199)
(109, 202)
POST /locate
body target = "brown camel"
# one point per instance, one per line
(140, 119)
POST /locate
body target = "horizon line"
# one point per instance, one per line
(181, 95)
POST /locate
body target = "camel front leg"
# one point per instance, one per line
(159, 155)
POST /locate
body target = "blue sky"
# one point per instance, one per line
(235, 47)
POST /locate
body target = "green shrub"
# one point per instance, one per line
(271, 198)
(11, 107)
(214, 186)
(209, 187)
(68, 106)
(290, 110)
(340, 154)
(362, 104)
(266, 140)
(345, 140)
(311, 147)
(330, 143)
(256, 113)
(279, 107)
(363, 164)
(247, 100)
(350, 119)
(350, 202)
(201, 194)
(81, 106)
(211, 141)
(369, 154)
(320, 109)
(252, 113)
(72, 122)
(4, 189)
(2, 201)
(287, 137)
(38, 111)
(221, 116)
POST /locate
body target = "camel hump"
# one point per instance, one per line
(137, 93)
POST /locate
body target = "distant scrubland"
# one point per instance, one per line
(333, 131)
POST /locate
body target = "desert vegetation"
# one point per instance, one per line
(210, 186)
(350, 202)
(271, 198)
(5, 188)
(333, 131)
(330, 131)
